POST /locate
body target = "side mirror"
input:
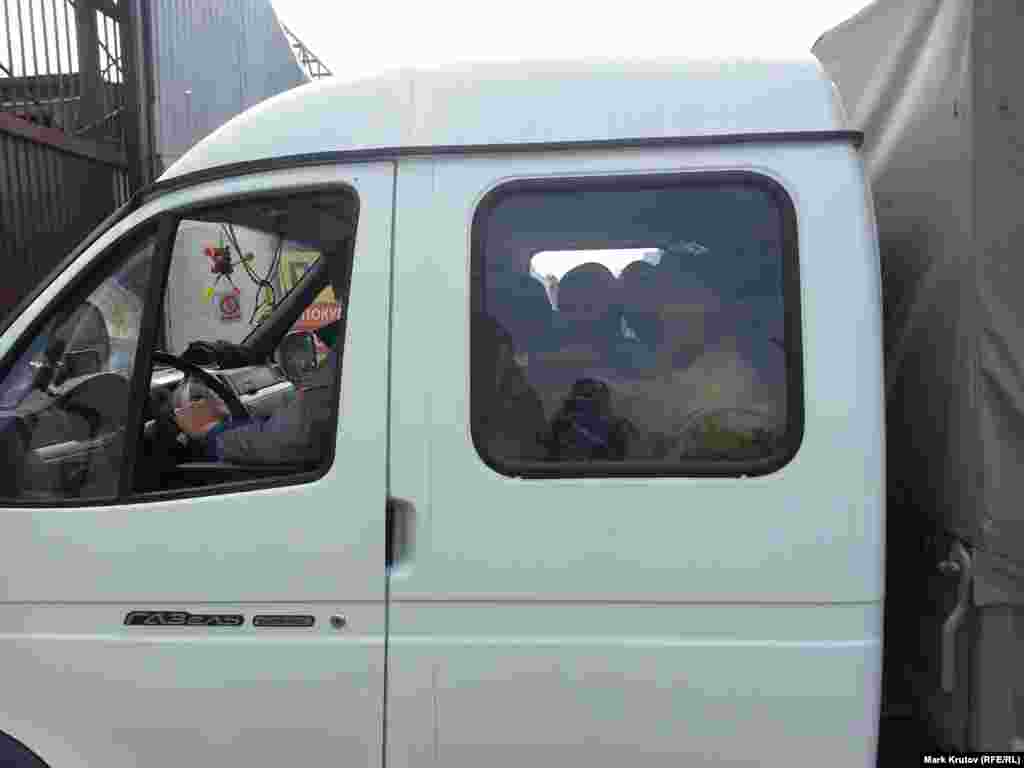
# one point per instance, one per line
(297, 355)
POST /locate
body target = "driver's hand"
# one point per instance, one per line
(199, 417)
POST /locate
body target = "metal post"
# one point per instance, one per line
(135, 95)
(7, 26)
(10, 49)
(72, 120)
(24, 61)
(105, 96)
(60, 69)
(147, 91)
(90, 83)
(35, 53)
(50, 96)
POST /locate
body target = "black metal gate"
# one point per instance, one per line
(72, 127)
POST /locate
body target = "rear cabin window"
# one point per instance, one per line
(636, 326)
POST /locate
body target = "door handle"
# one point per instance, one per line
(401, 525)
(959, 562)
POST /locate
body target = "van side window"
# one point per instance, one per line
(64, 400)
(636, 326)
(246, 349)
(272, 265)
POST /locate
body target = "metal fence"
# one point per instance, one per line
(52, 192)
(62, 64)
(68, 129)
(309, 60)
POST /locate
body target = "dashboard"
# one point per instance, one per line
(69, 439)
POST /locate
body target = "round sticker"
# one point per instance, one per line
(230, 308)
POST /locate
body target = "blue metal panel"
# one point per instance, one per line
(214, 60)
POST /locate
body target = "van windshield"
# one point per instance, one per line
(231, 269)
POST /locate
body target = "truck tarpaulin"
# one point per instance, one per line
(936, 87)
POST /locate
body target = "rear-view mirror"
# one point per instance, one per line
(297, 355)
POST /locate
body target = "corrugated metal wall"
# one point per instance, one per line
(214, 59)
(50, 199)
(68, 124)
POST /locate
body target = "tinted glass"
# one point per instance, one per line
(636, 323)
(64, 401)
(231, 268)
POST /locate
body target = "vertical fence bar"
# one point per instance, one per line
(8, 215)
(119, 79)
(35, 200)
(60, 196)
(108, 96)
(35, 53)
(44, 211)
(19, 181)
(134, 92)
(115, 94)
(44, 158)
(72, 116)
(114, 64)
(24, 61)
(6, 198)
(51, 105)
(29, 179)
(17, 215)
(52, 160)
(7, 26)
(60, 70)
(131, 122)
(116, 73)
(10, 202)
(88, 65)
(65, 193)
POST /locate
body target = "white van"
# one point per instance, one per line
(604, 476)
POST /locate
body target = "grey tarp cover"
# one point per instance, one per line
(937, 89)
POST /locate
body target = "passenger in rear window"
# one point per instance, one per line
(668, 342)
(698, 376)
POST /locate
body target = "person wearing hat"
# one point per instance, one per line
(590, 336)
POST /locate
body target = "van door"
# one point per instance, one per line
(204, 600)
(635, 521)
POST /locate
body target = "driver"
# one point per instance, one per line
(298, 432)
(301, 431)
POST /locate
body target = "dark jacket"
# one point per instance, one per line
(299, 432)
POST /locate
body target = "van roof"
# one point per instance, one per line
(479, 105)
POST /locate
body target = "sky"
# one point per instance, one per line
(359, 39)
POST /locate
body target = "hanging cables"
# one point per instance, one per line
(266, 295)
(265, 284)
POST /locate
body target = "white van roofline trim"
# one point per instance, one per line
(856, 138)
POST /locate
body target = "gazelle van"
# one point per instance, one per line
(594, 473)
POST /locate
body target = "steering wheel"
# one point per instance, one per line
(235, 406)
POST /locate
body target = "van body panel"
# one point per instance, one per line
(642, 683)
(80, 691)
(480, 535)
(724, 619)
(123, 695)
